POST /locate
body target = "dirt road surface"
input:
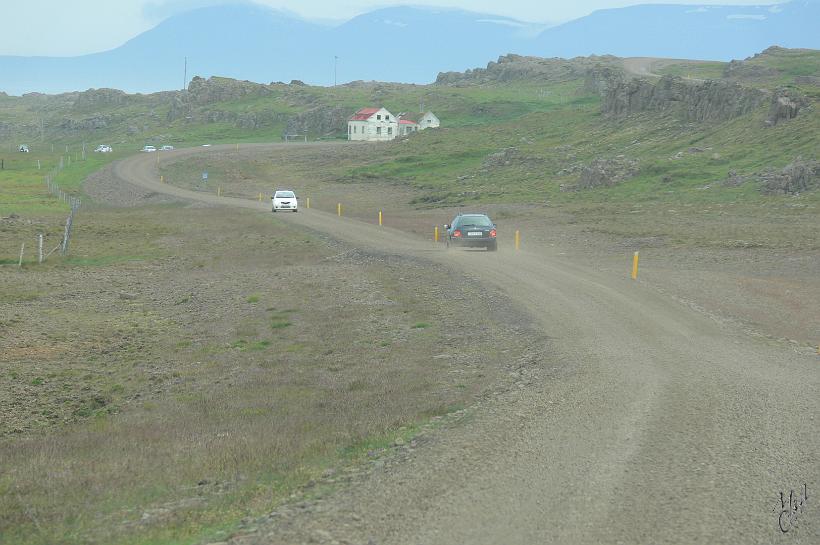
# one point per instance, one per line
(652, 423)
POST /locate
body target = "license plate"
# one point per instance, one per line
(474, 234)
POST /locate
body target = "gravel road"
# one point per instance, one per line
(652, 423)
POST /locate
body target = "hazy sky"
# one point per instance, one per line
(66, 28)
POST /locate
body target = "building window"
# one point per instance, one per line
(379, 117)
(387, 118)
(389, 131)
(378, 131)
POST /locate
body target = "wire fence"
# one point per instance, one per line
(74, 202)
(54, 188)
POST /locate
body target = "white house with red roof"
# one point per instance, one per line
(420, 121)
(378, 124)
(407, 126)
(372, 125)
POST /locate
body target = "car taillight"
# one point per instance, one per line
(492, 233)
(456, 233)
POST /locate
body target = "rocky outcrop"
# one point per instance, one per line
(607, 172)
(786, 104)
(692, 102)
(798, 176)
(322, 121)
(211, 90)
(93, 123)
(520, 68)
(600, 78)
(100, 98)
(180, 106)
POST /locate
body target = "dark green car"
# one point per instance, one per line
(472, 231)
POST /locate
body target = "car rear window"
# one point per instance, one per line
(474, 221)
(284, 195)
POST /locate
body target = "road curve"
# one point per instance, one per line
(658, 424)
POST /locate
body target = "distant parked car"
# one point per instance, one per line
(206, 145)
(148, 149)
(284, 200)
(166, 148)
(23, 148)
(103, 148)
(472, 230)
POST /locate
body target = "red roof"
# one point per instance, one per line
(364, 114)
(407, 122)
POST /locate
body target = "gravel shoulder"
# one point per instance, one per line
(651, 423)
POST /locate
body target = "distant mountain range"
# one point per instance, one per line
(406, 44)
(719, 33)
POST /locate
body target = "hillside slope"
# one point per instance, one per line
(522, 129)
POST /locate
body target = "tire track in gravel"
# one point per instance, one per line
(651, 423)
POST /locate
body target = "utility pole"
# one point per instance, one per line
(335, 65)
(185, 76)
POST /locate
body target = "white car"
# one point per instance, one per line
(148, 149)
(103, 148)
(23, 149)
(166, 148)
(284, 200)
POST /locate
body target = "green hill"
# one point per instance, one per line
(523, 129)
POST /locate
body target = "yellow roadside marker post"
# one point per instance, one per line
(308, 202)
(162, 179)
(260, 197)
(635, 265)
(339, 209)
(435, 233)
(517, 239)
(380, 218)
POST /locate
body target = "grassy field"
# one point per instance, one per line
(230, 378)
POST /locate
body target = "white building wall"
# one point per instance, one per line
(380, 127)
(357, 130)
(429, 121)
(404, 130)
